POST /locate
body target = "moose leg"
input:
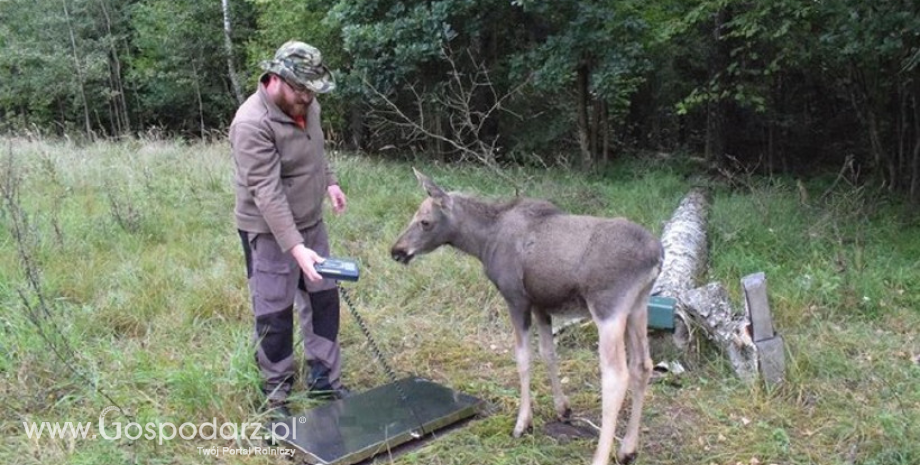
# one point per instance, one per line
(548, 352)
(640, 369)
(520, 320)
(614, 376)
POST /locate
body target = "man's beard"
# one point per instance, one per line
(296, 109)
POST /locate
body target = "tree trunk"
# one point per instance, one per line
(605, 132)
(593, 131)
(684, 241)
(915, 173)
(902, 132)
(915, 157)
(713, 312)
(483, 98)
(875, 144)
(716, 107)
(356, 122)
(78, 70)
(120, 100)
(195, 79)
(228, 45)
(584, 137)
(685, 258)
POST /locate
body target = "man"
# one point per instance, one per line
(282, 176)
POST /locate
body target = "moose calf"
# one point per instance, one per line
(544, 261)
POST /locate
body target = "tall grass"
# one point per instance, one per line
(145, 306)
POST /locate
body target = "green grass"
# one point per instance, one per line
(142, 275)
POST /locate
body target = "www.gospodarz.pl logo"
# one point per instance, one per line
(159, 431)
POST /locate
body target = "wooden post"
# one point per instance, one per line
(771, 356)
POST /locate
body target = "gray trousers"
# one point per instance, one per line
(276, 283)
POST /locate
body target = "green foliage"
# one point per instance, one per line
(46, 55)
(389, 48)
(179, 64)
(779, 86)
(761, 39)
(280, 21)
(608, 37)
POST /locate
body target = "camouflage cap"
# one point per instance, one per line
(301, 64)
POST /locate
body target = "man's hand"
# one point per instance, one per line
(338, 198)
(306, 258)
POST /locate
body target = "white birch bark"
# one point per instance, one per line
(685, 249)
(228, 45)
(713, 312)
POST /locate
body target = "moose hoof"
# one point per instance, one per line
(626, 459)
(565, 416)
(518, 432)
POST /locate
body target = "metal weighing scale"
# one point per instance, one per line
(358, 427)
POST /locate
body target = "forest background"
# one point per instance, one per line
(783, 86)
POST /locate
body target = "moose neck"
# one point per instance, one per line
(477, 226)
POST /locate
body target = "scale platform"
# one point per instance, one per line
(356, 428)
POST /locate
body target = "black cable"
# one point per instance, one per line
(382, 359)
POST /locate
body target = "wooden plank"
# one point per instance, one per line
(772, 356)
(757, 305)
(771, 352)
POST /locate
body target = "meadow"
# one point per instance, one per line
(122, 284)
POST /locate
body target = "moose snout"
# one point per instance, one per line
(400, 254)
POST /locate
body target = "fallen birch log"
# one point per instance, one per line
(713, 312)
(684, 241)
(707, 307)
(685, 257)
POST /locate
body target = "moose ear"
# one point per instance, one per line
(440, 197)
(430, 187)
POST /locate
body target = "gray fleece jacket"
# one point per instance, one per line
(281, 169)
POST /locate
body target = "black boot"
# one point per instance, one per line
(319, 385)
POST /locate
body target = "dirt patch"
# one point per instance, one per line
(564, 432)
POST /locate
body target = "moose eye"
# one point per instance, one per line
(425, 224)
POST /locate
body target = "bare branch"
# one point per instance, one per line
(465, 121)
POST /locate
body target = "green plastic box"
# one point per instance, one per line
(661, 313)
